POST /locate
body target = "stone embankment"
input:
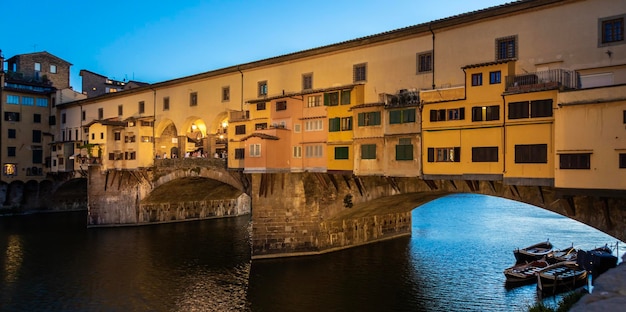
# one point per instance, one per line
(609, 292)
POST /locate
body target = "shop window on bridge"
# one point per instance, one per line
(281, 105)
(444, 154)
(13, 99)
(260, 106)
(368, 151)
(402, 116)
(575, 161)
(369, 119)
(477, 80)
(345, 97)
(129, 138)
(342, 152)
(531, 154)
(314, 151)
(495, 77)
(456, 113)
(130, 155)
(334, 124)
(314, 101)
(437, 115)
(240, 129)
(541, 108)
(297, 152)
(346, 123)
(260, 126)
(240, 153)
(117, 136)
(331, 99)
(147, 139)
(519, 110)
(255, 150)
(485, 154)
(486, 113)
(404, 149)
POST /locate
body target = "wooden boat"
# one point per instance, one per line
(567, 254)
(524, 273)
(597, 261)
(533, 252)
(560, 277)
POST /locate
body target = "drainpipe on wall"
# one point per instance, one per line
(153, 123)
(433, 60)
(503, 137)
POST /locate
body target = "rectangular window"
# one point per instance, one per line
(11, 150)
(83, 115)
(240, 153)
(28, 101)
(314, 151)
(334, 124)
(63, 118)
(307, 81)
(456, 113)
(437, 115)
(36, 136)
(37, 156)
(368, 151)
(402, 116)
(345, 97)
(147, 139)
(485, 154)
(359, 72)
(11, 116)
(13, 99)
(262, 88)
(314, 101)
(331, 99)
(297, 127)
(41, 102)
(541, 108)
(575, 161)
(506, 48)
(444, 154)
(313, 125)
(342, 152)
(260, 126)
(624, 113)
(37, 66)
(166, 103)
(404, 149)
(100, 113)
(425, 62)
(369, 119)
(240, 129)
(36, 118)
(260, 106)
(346, 123)
(53, 69)
(255, 150)
(519, 110)
(226, 94)
(531, 154)
(622, 160)
(118, 136)
(487, 113)
(12, 134)
(142, 107)
(297, 152)
(612, 30)
(193, 99)
(477, 79)
(281, 105)
(495, 77)
(120, 110)
(52, 120)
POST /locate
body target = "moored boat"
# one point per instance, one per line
(567, 254)
(560, 277)
(597, 261)
(524, 273)
(533, 252)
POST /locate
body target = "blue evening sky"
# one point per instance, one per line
(153, 41)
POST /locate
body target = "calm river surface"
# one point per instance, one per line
(452, 262)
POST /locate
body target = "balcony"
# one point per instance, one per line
(543, 80)
(239, 116)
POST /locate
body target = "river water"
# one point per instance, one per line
(452, 262)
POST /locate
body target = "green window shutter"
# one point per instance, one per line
(326, 99)
(457, 154)
(462, 113)
(395, 117)
(375, 118)
(408, 115)
(345, 97)
(361, 117)
(342, 152)
(433, 115)
(333, 124)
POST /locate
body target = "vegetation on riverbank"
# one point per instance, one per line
(564, 305)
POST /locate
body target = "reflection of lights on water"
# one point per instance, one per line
(13, 258)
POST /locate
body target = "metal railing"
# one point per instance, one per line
(543, 80)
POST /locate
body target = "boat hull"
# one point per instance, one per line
(560, 277)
